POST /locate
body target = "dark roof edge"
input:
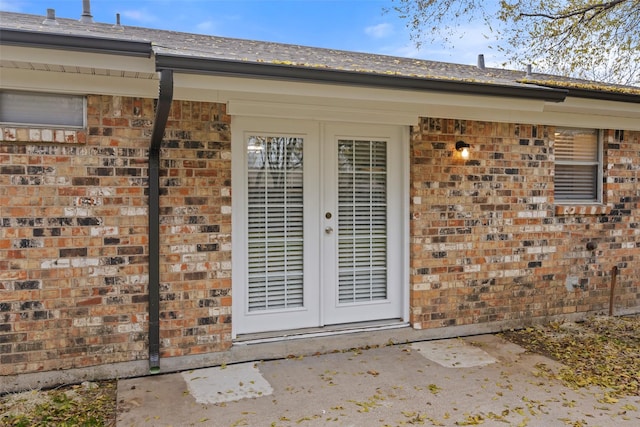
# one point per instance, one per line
(75, 42)
(597, 94)
(287, 72)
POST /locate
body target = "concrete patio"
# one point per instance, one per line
(449, 382)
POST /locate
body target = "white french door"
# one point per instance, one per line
(318, 225)
(362, 240)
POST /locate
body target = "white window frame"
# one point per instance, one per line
(598, 162)
(35, 106)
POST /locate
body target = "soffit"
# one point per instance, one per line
(62, 61)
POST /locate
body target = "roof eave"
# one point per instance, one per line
(604, 96)
(574, 91)
(74, 42)
(324, 75)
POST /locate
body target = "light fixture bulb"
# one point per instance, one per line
(463, 148)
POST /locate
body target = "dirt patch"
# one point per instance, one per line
(87, 404)
(601, 351)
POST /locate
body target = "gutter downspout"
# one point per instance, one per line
(165, 98)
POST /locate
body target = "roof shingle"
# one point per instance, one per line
(205, 47)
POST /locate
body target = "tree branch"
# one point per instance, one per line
(599, 8)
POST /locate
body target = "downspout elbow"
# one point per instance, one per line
(165, 98)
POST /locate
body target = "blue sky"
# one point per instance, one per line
(356, 25)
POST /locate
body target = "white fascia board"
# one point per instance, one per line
(321, 112)
(79, 84)
(593, 121)
(225, 88)
(181, 93)
(67, 58)
(596, 107)
(539, 118)
(269, 98)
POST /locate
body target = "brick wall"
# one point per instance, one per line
(73, 237)
(487, 241)
(195, 229)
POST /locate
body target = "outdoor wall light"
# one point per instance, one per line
(463, 148)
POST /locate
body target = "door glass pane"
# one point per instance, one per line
(362, 220)
(275, 222)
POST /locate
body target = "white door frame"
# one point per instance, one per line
(333, 312)
(241, 126)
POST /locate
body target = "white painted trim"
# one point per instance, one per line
(70, 58)
(406, 211)
(238, 211)
(328, 333)
(319, 112)
(542, 118)
(593, 106)
(266, 90)
(78, 84)
(269, 98)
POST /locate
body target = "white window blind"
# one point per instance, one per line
(41, 109)
(577, 167)
(362, 221)
(275, 222)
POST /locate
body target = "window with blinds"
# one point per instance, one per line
(275, 222)
(42, 109)
(577, 165)
(362, 221)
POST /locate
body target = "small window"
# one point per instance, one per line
(578, 166)
(42, 109)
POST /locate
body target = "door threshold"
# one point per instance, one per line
(294, 334)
